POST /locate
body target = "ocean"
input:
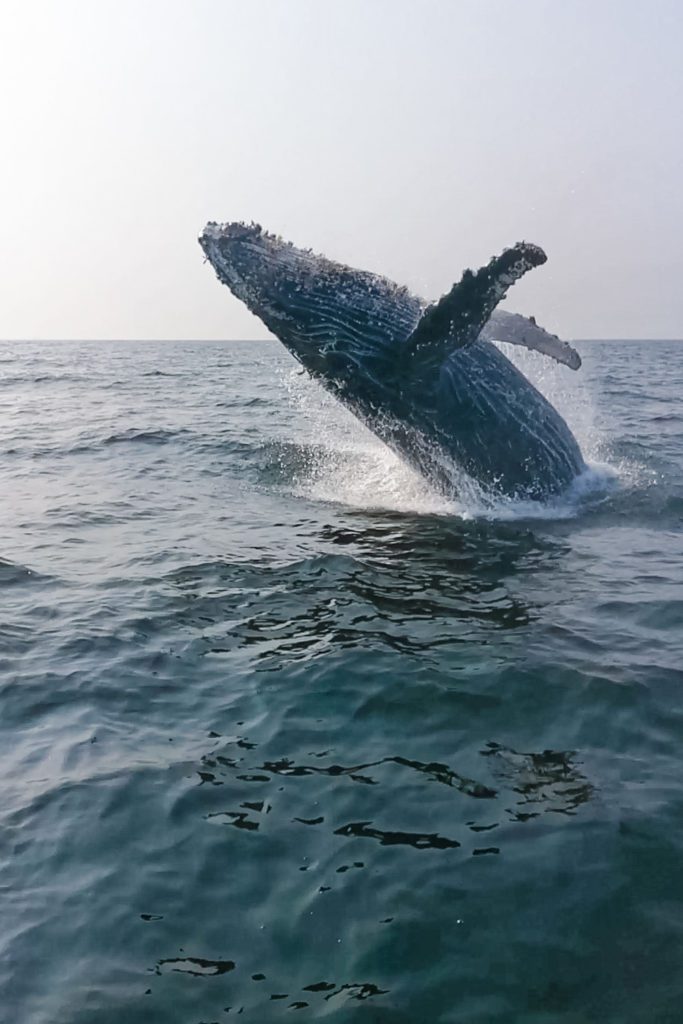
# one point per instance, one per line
(285, 734)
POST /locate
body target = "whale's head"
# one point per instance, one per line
(342, 324)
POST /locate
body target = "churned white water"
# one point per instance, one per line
(351, 466)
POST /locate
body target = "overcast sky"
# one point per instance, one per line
(410, 137)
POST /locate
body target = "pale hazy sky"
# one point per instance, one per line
(410, 137)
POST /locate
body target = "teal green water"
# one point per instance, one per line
(284, 734)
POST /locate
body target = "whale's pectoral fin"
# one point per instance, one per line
(522, 330)
(458, 317)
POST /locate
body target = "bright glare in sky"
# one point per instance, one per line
(409, 137)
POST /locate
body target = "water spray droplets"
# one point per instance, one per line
(344, 463)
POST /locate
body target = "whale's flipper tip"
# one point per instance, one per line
(459, 316)
(516, 329)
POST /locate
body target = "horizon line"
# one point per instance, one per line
(257, 341)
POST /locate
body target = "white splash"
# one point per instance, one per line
(570, 392)
(353, 467)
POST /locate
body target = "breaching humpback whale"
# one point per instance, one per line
(424, 378)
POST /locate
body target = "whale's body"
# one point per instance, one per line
(424, 379)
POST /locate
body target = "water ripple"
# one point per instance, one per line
(286, 732)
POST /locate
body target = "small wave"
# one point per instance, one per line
(44, 378)
(219, 448)
(13, 573)
(247, 403)
(670, 417)
(133, 436)
(111, 513)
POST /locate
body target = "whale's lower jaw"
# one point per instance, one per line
(369, 342)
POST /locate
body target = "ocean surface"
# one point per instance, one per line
(285, 735)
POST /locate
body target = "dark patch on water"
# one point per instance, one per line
(133, 436)
(386, 837)
(13, 574)
(195, 965)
